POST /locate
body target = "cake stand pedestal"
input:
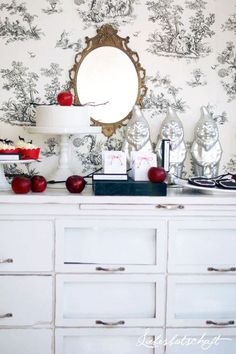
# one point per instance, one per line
(63, 170)
(4, 185)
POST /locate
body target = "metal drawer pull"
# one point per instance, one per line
(7, 315)
(120, 269)
(110, 323)
(7, 260)
(220, 323)
(211, 269)
(170, 206)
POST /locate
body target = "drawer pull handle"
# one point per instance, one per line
(211, 269)
(101, 269)
(7, 315)
(118, 323)
(170, 206)
(229, 323)
(7, 260)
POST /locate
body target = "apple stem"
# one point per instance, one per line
(93, 104)
(53, 182)
(91, 173)
(87, 176)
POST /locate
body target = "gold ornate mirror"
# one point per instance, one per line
(108, 75)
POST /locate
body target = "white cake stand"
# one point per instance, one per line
(63, 170)
(4, 185)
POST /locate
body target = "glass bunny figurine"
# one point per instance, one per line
(137, 134)
(206, 149)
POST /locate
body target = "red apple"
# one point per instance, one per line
(65, 98)
(75, 184)
(21, 184)
(38, 184)
(157, 174)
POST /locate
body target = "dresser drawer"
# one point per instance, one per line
(109, 341)
(111, 245)
(104, 300)
(204, 301)
(25, 341)
(25, 300)
(197, 341)
(202, 246)
(26, 245)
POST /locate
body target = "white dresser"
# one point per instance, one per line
(81, 274)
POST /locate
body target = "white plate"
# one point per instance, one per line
(205, 190)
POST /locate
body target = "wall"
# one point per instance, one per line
(186, 46)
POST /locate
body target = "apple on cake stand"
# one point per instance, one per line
(62, 121)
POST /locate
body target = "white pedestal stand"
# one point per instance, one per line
(63, 170)
(4, 185)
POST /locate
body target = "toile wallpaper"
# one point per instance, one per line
(186, 46)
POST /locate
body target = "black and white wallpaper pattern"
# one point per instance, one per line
(186, 46)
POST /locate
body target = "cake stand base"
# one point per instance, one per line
(63, 170)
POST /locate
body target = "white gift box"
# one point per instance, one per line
(114, 161)
(141, 162)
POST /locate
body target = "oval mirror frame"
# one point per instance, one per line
(107, 36)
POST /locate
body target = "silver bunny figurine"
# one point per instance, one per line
(172, 129)
(206, 149)
(137, 134)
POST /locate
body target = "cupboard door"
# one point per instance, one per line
(202, 246)
(109, 341)
(25, 300)
(197, 341)
(111, 245)
(111, 300)
(204, 301)
(26, 245)
(25, 341)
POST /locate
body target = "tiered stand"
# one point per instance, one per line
(63, 170)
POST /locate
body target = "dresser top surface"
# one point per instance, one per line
(174, 196)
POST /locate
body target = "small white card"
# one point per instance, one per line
(114, 161)
(141, 162)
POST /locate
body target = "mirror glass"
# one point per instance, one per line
(108, 76)
(108, 80)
